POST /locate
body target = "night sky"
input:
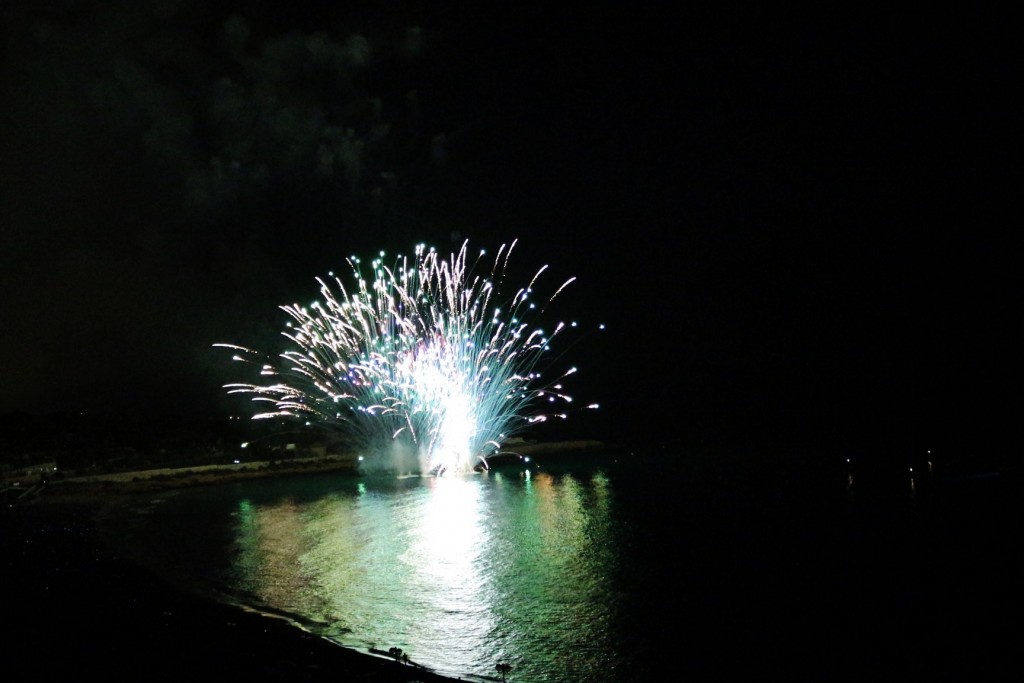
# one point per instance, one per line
(796, 226)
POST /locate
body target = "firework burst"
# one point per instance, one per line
(421, 354)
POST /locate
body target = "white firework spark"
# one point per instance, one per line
(419, 353)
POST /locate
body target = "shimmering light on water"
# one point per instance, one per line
(459, 572)
(674, 564)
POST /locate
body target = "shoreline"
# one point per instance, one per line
(83, 488)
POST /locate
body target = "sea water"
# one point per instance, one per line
(615, 566)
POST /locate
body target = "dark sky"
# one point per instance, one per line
(797, 227)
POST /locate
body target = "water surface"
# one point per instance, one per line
(608, 567)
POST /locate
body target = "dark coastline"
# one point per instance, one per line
(73, 608)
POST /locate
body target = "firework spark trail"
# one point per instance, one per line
(418, 354)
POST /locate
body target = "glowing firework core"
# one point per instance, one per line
(420, 355)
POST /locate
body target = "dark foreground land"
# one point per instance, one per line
(72, 610)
